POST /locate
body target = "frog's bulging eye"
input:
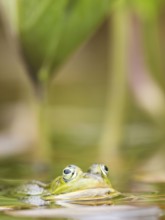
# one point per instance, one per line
(70, 172)
(67, 171)
(104, 169)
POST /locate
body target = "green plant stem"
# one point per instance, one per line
(154, 53)
(117, 92)
(154, 56)
(43, 151)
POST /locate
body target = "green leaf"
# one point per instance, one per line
(50, 30)
(148, 9)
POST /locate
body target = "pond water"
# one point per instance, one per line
(131, 205)
(144, 207)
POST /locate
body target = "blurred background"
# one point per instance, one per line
(83, 82)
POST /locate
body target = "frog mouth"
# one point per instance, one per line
(85, 194)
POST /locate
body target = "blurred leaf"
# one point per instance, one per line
(150, 12)
(148, 9)
(51, 30)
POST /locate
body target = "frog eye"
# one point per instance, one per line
(105, 169)
(69, 173)
(66, 171)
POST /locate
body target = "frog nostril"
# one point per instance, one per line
(67, 171)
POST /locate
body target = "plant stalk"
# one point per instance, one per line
(117, 92)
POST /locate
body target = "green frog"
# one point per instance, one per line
(72, 185)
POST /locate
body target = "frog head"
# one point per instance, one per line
(74, 183)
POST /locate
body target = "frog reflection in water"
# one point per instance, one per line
(74, 184)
